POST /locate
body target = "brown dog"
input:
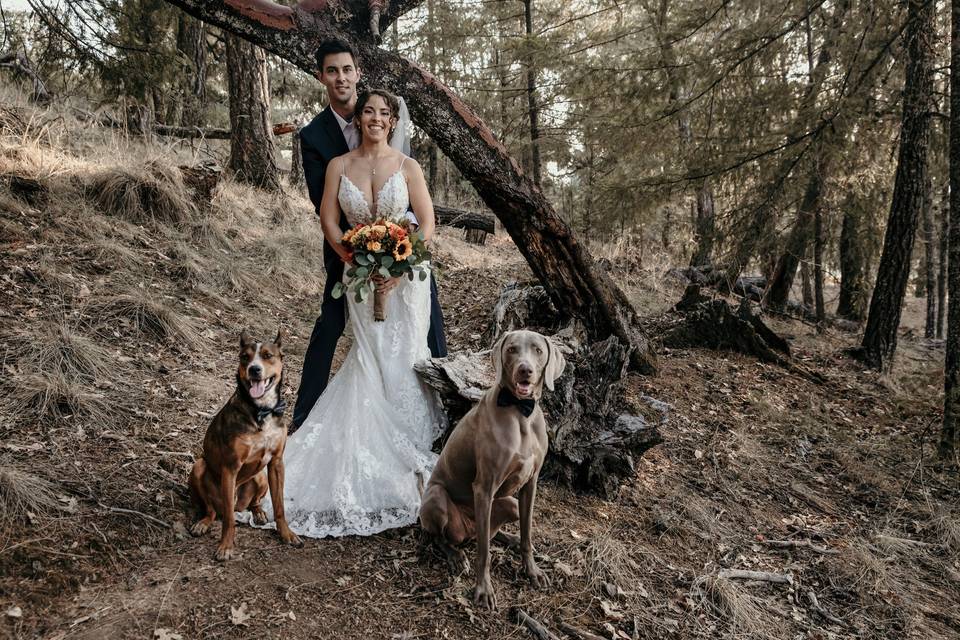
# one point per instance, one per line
(494, 452)
(243, 449)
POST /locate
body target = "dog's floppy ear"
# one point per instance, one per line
(279, 339)
(245, 339)
(555, 364)
(496, 354)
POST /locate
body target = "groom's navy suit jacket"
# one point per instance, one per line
(320, 142)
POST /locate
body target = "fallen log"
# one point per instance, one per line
(477, 224)
(202, 180)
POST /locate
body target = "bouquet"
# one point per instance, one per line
(380, 248)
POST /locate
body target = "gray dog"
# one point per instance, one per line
(494, 452)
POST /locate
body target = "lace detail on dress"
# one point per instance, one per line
(352, 468)
(391, 201)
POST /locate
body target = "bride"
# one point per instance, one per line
(355, 465)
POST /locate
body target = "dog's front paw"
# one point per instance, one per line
(536, 575)
(224, 553)
(288, 536)
(200, 528)
(484, 595)
(259, 516)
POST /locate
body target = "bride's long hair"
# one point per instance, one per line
(393, 103)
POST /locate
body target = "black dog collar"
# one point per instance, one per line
(523, 405)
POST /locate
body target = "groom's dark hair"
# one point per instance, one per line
(334, 45)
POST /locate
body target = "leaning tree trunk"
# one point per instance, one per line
(296, 161)
(880, 337)
(192, 45)
(555, 256)
(779, 290)
(950, 434)
(252, 155)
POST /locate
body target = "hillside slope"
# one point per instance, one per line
(120, 307)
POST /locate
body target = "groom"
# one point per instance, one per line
(331, 134)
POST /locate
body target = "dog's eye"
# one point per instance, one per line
(244, 357)
(266, 355)
(511, 349)
(539, 351)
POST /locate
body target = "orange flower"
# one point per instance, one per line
(397, 232)
(348, 236)
(403, 251)
(373, 245)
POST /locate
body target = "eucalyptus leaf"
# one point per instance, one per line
(423, 276)
(338, 290)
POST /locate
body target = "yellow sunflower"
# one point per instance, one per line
(403, 251)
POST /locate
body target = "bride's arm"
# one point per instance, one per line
(330, 209)
(420, 198)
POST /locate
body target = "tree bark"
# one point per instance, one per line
(757, 224)
(929, 254)
(192, 45)
(853, 298)
(555, 255)
(252, 154)
(786, 270)
(806, 288)
(880, 337)
(705, 226)
(942, 273)
(818, 265)
(532, 108)
(950, 433)
(296, 161)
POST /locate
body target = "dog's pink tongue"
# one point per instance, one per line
(257, 388)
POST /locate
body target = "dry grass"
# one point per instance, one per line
(150, 192)
(23, 493)
(146, 312)
(731, 605)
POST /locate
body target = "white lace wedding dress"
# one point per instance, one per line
(352, 467)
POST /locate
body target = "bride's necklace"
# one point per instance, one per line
(373, 164)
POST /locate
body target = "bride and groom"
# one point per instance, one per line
(360, 451)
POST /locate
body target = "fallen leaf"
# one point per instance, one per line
(610, 611)
(14, 612)
(166, 634)
(239, 615)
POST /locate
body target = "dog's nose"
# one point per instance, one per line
(525, 370)
(255, 371)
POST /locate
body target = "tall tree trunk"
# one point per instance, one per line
(942, 272)
(950, 434)
(758, 223)
(818, 265)
(252, 154)
(705, 226)
(778, 292)
(880, 337)
(562, 264)
(929, 254)
(296, 161)
(532, 108)
(806, 287)
(192, 45)
(852, 304)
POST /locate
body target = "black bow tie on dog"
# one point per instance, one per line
(524, 405)
(265, 412)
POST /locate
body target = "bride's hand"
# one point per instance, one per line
(385, 285)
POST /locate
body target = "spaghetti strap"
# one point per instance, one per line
(402, 160)
(343, 166)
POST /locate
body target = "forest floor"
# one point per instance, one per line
(120, 308)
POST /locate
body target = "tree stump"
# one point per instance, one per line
(595, 436)
(202, 180)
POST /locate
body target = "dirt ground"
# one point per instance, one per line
(118, 325)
